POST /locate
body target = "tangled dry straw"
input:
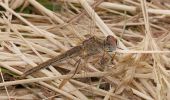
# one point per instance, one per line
(139, 70)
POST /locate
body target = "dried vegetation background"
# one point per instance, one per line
(33, 31)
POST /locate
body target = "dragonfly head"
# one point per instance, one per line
(110, 44)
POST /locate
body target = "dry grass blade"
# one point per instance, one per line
(81, 14)
(24, 81)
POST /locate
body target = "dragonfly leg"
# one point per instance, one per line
(77, 64)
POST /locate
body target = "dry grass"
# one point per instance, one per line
(139, 71)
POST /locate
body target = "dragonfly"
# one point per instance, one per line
(88, 47)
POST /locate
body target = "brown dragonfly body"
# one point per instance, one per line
(89, 47)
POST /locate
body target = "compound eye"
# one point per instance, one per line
(111, 43)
